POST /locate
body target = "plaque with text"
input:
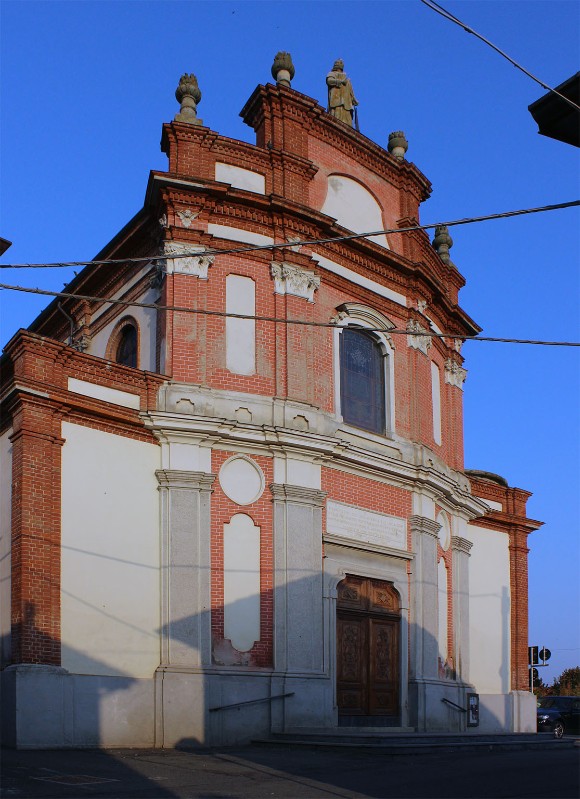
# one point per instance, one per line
(366, 525)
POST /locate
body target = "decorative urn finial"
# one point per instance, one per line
(442, 243)
(283, 69)
(398, 144)
(188, 95)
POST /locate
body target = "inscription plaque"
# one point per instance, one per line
(366, 525)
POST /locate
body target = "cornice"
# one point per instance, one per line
(331, 451)
(197, 481)
(284, 492)
(459, 544)
(421, 524)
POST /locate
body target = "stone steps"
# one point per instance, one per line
(398, 741)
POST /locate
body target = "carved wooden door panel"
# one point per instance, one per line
(367, 648)
(352, 683)
(383, 668)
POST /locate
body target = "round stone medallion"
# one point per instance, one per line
(241, 480)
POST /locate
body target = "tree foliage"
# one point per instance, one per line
(568, 683)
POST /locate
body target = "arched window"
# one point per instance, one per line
(364, 369)
(126, 346)
(362, 380)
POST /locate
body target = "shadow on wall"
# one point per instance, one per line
(208, 691)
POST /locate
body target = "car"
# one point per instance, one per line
(559, 715)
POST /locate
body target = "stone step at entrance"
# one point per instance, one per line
(406, 741)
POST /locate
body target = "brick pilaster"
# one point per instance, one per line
(36, 477)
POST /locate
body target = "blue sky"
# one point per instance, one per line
(87, 85)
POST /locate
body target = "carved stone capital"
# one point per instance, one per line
(196, 481)
(421, 524)
(283, 492)
(415, 339)
(455, 374)
(461, 544)
(290, 279)
(187, 263)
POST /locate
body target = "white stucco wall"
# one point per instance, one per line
(5, 542)
(240, 333)
(146, 321)
(240, 178)
(354, 207)
(436, 402)
(442, 588)
(242, 582)
(110, 554)
(489, 610)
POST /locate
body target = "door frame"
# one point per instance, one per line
(340, 561)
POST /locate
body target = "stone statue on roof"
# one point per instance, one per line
(341, 100)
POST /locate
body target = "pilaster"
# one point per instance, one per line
(424, 647)
(36, 512)
(461, 548)
(185, 567)
(298, 623)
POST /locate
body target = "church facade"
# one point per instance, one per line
(234, 500)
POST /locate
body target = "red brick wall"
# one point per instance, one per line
(35, 364)
(261, 513)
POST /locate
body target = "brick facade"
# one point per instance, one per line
(290, 411)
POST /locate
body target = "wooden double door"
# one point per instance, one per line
(368, 657)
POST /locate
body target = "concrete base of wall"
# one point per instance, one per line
(219, 709)
(47, 707)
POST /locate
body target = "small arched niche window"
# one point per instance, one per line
(124, 343)
(365, 368)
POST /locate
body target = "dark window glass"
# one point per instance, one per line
(362, 381)
(127, 347)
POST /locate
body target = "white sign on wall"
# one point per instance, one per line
(365, 525)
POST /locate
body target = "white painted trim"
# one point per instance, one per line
(492, 504)
(240, 178)
(237, 234)
(240, 333)
(436, 401)
(104, 393)
(360, 280)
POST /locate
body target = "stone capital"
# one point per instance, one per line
(415, 339)
(283, 492)
(455, 374)
(421, 524)
(291, 279)
(184, 261)
(196, 481)
(459, 544)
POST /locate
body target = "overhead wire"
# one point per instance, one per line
(452, 18)
(294, 244)
(285, 321)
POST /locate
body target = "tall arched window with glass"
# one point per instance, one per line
(362, 380)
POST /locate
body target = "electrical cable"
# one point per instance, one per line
(449, 16)
(290, 245)
(301, 322)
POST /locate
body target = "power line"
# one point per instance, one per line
(448, 15)
(301, 243)
(276, 320)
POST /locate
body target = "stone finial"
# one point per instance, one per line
(398, 144)
(442, 242)
(188, 95)
(283, 69)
